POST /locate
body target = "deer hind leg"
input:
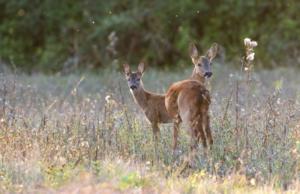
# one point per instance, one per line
(207, 129)
(176, 123)
(198, 133)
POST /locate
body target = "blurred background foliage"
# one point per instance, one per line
(52, 35)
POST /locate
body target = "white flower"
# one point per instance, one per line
(253, 44)
(110, 101)
(253, 182)
(250, 57)
(62, 160)
(247, 41)
(84, 144)
(107, 98)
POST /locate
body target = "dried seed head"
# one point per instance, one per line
(253, 182)
(253, 44)
(107, 98)
(247, 41)
(250, 43)
(250, 57)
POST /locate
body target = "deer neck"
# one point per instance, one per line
(140, 96)
(197, 77)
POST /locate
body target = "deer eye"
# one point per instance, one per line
(199, 64)
(138, 79)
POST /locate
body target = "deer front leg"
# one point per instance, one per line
(156, 132)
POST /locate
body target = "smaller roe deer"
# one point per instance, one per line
(189, 100)
(153, 105)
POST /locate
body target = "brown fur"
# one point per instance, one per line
(153, 105)
(179, 102)
(189, 100)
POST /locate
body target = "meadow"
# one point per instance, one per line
(83, 133)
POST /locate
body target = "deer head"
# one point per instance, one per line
(203, 63)
(134, 78)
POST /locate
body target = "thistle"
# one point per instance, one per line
(250, 54)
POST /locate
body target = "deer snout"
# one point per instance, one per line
(133, 87)
(208, 74)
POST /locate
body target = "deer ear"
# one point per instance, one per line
(193, 52)
(126, 68)
(141, 68)
(213, 51)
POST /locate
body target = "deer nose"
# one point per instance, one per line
(133, 87)
(208, 74)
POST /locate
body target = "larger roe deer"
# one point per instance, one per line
(188, 101)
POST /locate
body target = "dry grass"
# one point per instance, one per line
(64, 135)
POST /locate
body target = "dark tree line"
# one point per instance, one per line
(52, 35)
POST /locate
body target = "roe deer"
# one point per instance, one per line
(153, 105)
(188, 100)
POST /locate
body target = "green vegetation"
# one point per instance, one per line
(56, 36)
(63, 133)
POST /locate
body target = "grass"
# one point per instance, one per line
(64, 134)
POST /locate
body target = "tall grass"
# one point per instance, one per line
(55, 128)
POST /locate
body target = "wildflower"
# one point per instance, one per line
(250, 43)
(253, 44)
(253, 182)
(107, 98)
(62, 161)
(110, 101)
(278, 101)
(74, 92)
(84, 144)
(247, 41)
(250, 57)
